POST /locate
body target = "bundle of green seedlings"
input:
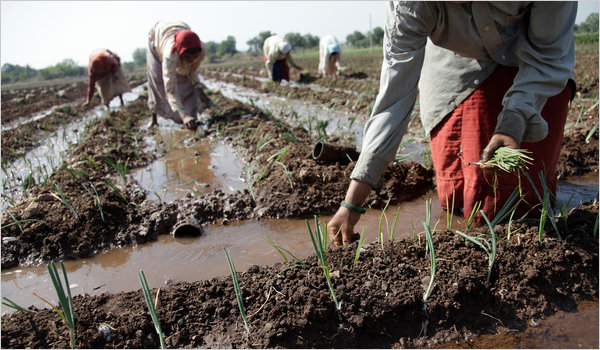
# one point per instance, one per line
(509, 159)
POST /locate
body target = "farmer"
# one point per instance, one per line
(173, 56)
(104, 72)
(489, 74)
(277, 54)
(330, 56)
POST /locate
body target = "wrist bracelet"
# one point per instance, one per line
(353, 207)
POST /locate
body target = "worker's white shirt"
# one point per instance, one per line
(324, 56)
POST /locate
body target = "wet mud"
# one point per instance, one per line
(90, 204)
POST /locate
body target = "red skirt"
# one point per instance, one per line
(461, 137)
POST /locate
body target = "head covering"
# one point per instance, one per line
(186, 39)
(284, 47)
(333, 48)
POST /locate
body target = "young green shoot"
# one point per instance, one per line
(64, 200)
(281, 250)
(381, 217)
(474, 212)
(65, 300)
(151, 308)
(319, 241)
(238, 291)
(359, 247)
(13, 305)
(488, 246)
(393, 230)
(546, 205)
(450, 213)
(591, 133)
(429, 246)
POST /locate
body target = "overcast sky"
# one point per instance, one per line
(43, 33)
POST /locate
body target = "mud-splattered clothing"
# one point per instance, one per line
(449, 50)
(173, 83)
(104, 71)
(328, 64)
(272, 54)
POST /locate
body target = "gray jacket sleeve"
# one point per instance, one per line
(404, 49)
(546, 56)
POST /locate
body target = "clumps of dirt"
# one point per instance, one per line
(96, 204)
(293, 185)
(382, 305)
(579, 152)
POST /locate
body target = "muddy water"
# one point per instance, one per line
(191, 164)
(40, 162)
(189, 259)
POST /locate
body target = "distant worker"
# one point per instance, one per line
(173, 56)
(104, 71)
(277, 54)
(330, 56)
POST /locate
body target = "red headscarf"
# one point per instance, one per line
(186, 39)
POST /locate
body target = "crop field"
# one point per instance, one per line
(93, 200)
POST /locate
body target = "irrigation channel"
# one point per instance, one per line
(205, 165)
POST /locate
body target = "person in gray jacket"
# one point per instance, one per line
(488, 74)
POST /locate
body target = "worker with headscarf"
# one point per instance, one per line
(277, 54)
(173, 56)
(330, 56)
(104, 72)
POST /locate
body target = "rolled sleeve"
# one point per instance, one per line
(407, 28)
(546, 56)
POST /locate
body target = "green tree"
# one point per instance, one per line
(590, 25)
(356, 39)
(66, 68)
(295, 39)
(211, 51)
(139, 57)
(255, 44)
(311, 40)
(378, 36)
(12, 73)
(227, 47)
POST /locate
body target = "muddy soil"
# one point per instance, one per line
(298, 186)
(64, 104)
(381, 297)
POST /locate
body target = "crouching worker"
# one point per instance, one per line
(277, 54)
(489, 75)
(104, 72)
(330, 57)
(173, 56)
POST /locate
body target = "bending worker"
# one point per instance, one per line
(104, 72)
(173, 56)
(277, 54)
(489, 74)
(330, 56)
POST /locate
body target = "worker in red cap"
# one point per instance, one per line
(172, 59)
(104, 71)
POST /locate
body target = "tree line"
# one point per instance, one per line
(585, 32)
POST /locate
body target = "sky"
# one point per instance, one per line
(44, 33)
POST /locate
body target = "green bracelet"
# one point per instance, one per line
(353, 207)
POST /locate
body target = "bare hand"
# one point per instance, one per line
(497, 141)
(190, 123)
(340, 229)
